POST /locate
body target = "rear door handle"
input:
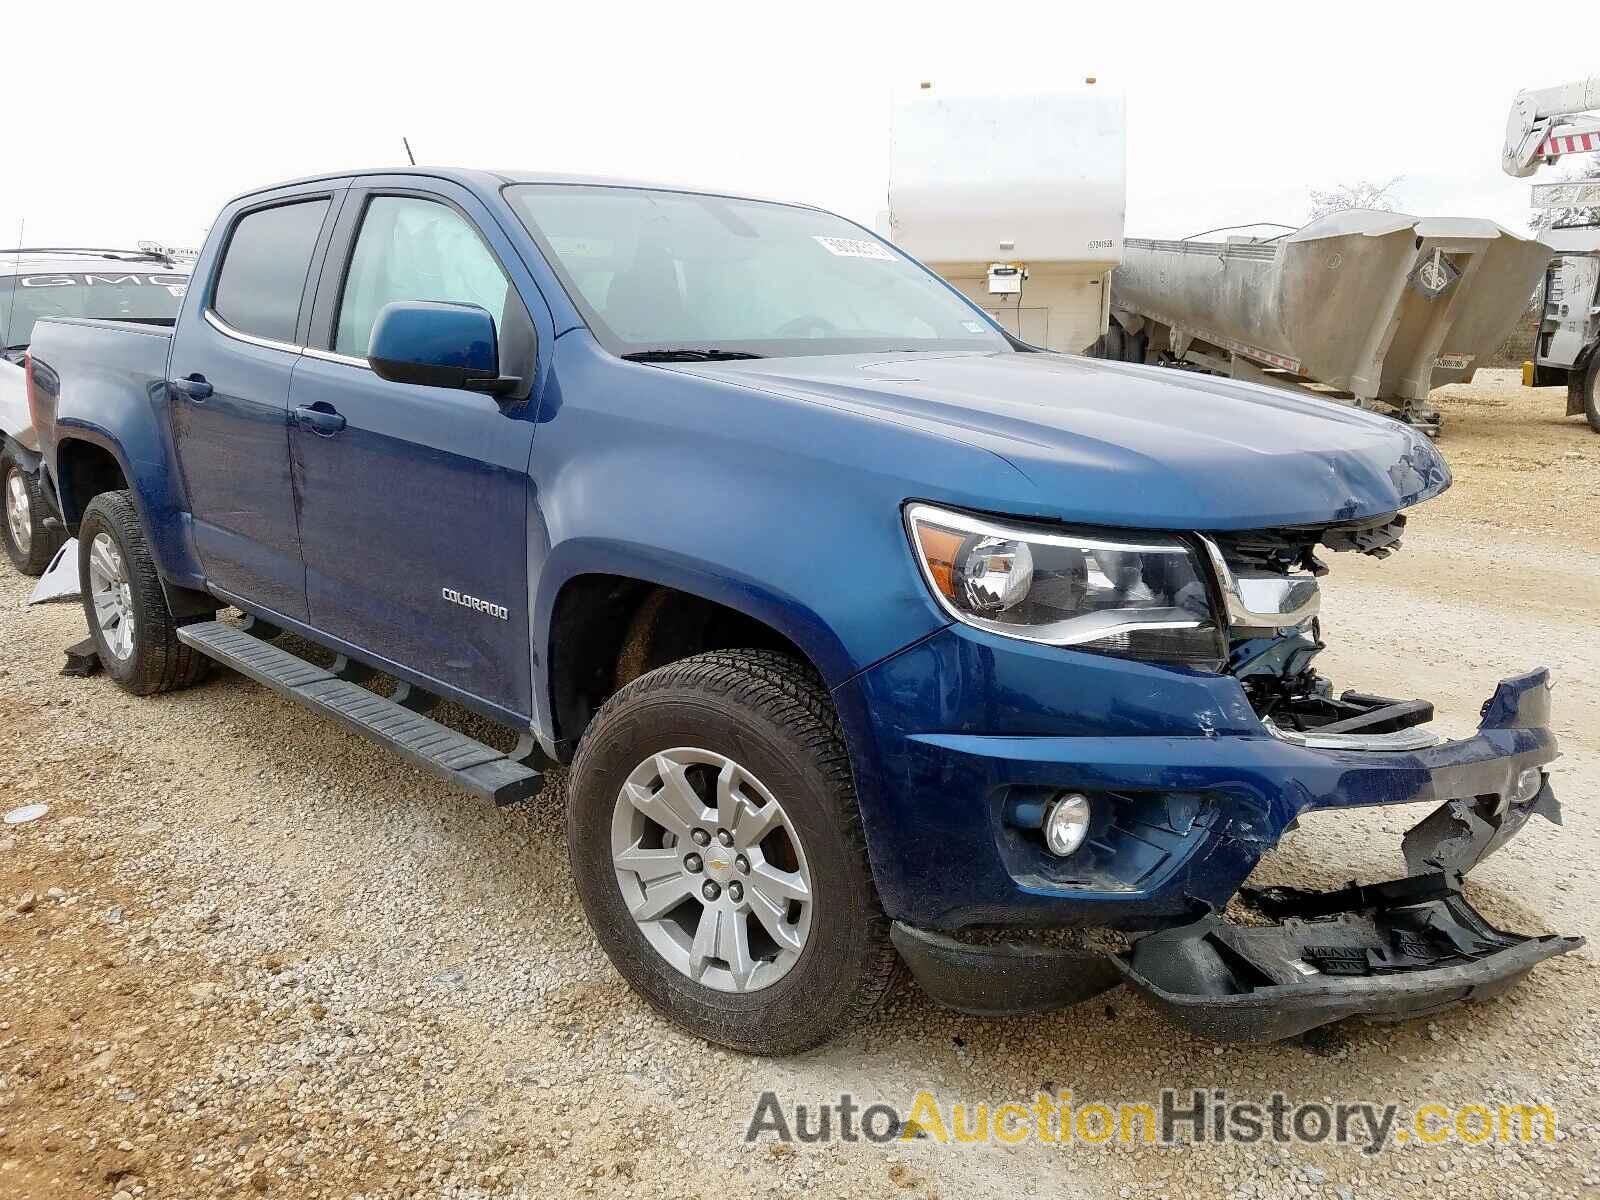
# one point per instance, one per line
(193, 386)
(320, 418)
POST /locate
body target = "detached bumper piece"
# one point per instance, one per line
(1385, 952)
(1388, 952)
(1002, 979)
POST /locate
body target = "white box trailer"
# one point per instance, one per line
(1018, 201)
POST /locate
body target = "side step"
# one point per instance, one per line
(454, 757)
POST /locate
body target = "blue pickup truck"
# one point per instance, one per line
(865, 632)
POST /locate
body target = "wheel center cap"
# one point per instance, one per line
(719, 865)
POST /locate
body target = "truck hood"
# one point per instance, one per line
(1116, 444)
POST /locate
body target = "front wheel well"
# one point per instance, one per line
(84, 470)
(608, 630)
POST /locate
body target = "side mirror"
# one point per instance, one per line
(438, 345)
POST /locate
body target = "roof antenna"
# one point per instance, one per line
(16, 269)
(404, 142)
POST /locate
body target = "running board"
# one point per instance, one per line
(454, 757)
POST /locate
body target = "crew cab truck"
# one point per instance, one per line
(866, 631)
(35, 282)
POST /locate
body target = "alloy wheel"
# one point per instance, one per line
(19, 512)
(112, 597)
(711, 869)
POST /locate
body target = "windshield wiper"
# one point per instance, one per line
(687, 355)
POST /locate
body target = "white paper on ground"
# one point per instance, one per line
(60, 580)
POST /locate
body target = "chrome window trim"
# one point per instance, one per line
(348, 360)
(226, 330)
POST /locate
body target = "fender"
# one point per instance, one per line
(29, 460)
(156, 496)
(781, 508)
(103, 383)
(716, 582)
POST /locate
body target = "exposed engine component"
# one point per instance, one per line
(1294, 547)
(1272, 657)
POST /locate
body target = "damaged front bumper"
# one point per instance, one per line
(1389, 951)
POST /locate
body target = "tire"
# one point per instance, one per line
(1591, 392)
(148, 658)
(772, 717)
(29, 545)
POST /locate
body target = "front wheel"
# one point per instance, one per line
(132, 627)
(719, 854)
(29, 544)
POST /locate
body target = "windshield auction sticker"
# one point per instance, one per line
(853, 248)
(1173, 1118)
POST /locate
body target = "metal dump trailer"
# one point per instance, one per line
(1374, 307)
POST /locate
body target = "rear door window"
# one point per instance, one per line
(264, 270)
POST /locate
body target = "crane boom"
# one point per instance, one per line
(1546, 123)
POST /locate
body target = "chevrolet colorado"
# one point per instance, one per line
(865, 631)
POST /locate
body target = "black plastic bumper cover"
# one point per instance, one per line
(1386, 952)
(1389, 952)
(1002, 979)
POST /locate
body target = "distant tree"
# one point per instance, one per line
(1362, 194)
(1547, 218)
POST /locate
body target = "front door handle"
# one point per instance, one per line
(321, 418)
(193, 386)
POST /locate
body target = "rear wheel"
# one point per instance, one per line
(133, 629)
(718, 851)
(29, 544)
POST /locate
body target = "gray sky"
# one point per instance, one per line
(131, 121)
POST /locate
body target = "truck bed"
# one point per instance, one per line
(98, 362)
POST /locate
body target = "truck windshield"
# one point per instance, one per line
(133, 296)
(682, 275)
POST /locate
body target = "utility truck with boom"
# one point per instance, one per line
(1545, 126)
(868, 631)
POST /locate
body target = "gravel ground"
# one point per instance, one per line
(247, 954)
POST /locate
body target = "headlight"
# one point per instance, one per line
(1139, 597)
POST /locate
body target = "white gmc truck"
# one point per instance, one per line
(130, 285)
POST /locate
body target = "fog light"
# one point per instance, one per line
(1527, 786)
(1066, 824)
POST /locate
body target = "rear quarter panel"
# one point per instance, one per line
(104, 383)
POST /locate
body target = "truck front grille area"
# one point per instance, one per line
(1269, 580)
